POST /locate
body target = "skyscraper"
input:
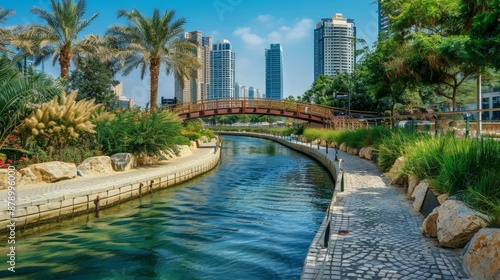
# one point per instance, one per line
(222, 78)
(274, 72)
(383, 21)
(196, 87)
(334, 46)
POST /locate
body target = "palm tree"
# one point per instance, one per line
(18, 92)
(4, 33)
(151, 42)
(59, 38)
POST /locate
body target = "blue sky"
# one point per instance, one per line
(250, 26)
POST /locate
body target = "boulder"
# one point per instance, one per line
(28, 177)
(153, 160)
(183, 151)
(343, 147)
(396, 175)
(443, 198)
(362, 152)
(193, 146)
(53, 171)
(457, 224)
(4, 178)
(168, 154)
(96, 166)
(204, 139)
(122, 161)
(412, 184)
(482, 257)
(429, 226)
(352, 151)
(419, 195)
(368, 153)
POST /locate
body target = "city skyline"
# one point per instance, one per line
(250, 26)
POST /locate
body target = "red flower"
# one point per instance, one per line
(100, 152)
(32, 159)
(9, 161)
(1, 161)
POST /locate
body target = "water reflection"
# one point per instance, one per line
(252, 218)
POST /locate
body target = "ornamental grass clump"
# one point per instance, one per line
(394, 145)
(423, 158)
(467, 163)
(61, 120)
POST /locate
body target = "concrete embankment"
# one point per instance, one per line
(29, 206)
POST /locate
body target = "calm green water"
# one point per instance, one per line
(253, 217)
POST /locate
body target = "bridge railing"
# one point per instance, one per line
(300, 110)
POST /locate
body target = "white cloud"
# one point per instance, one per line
(265, 18)
(300, 30)
(274, 37)
(282, 34)
(252, 40)
(285, 28)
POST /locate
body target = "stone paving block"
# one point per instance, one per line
(20, 211)
(113, 193)
(113, 199)
(67, 203)
(125, 195)
(4, 223)
(80, 200)
(80, 207)
(49, 206)
(50, 214)
(125, 189)
(66, 211)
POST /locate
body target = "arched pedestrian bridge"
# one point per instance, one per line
(273, 107)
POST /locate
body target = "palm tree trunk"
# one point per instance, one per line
(64, 63)
(154, 71)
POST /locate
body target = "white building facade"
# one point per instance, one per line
(222, 70)
(334, 46)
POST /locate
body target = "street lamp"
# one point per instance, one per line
(344, 95)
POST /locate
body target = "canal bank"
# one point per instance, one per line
(43, 203)
(252, 217)
(369, 231)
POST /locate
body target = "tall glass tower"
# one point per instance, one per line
(222, 78)
(274, 72)
(334, 46)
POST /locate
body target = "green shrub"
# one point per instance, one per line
(139, 132)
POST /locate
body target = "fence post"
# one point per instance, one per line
(342, 182)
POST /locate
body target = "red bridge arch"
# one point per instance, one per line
(274, 107)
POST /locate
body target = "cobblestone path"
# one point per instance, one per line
(384, 239)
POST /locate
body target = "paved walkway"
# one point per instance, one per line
(384, 239)
(48, 192)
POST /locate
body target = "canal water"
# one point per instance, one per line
(253, 217)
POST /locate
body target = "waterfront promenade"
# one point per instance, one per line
(40, 203)
(375, 234)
